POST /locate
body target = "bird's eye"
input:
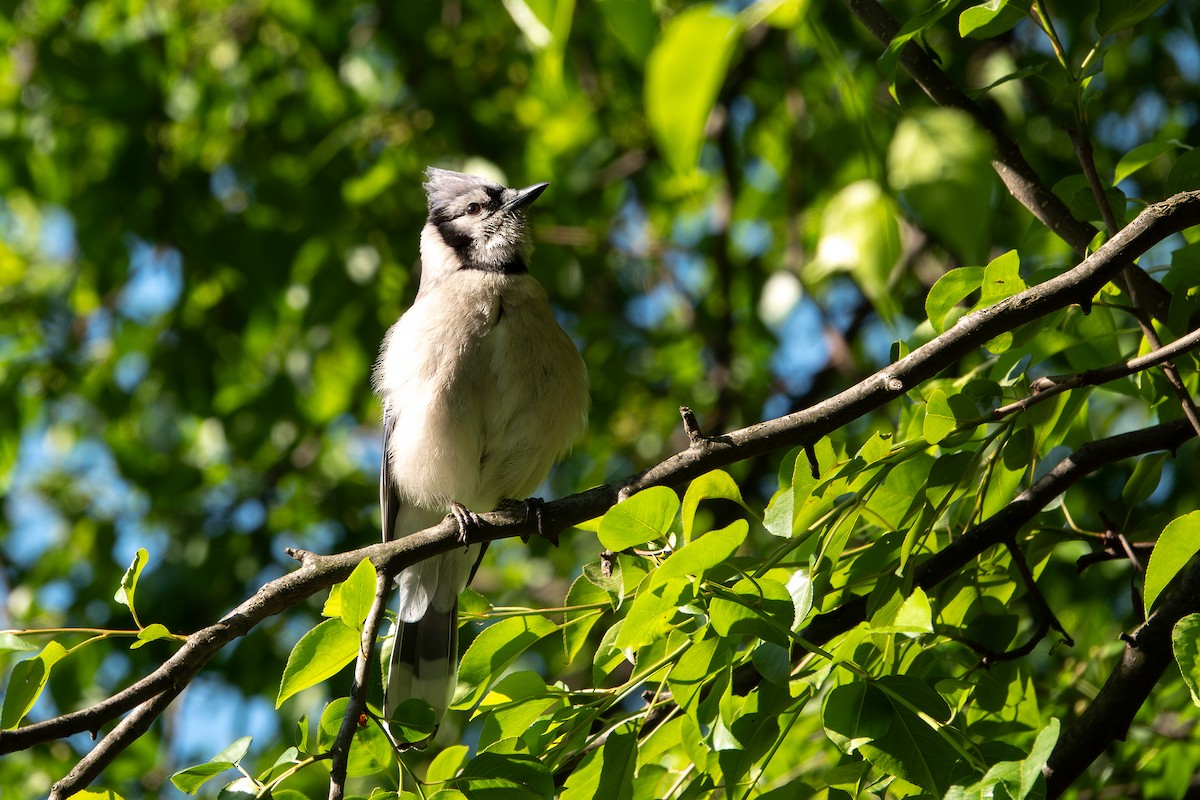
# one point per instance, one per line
(474, 208)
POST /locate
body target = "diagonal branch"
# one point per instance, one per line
(1111, 712)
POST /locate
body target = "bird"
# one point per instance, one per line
(482, 391)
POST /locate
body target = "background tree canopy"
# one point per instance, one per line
(209, 215)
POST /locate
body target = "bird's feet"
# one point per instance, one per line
(468, 522)
(534, 512)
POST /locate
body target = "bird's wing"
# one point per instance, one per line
(389, 501)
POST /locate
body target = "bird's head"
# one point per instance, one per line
(481, 224)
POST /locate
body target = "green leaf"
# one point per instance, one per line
(755, 599)
(940, 162)
(1039, 754)
(863, 717)
(150, 633)
(911, 616)
(1115, 15)
(358, 594)
(96, 794)
(913, 27)
(715, 485)
(939, 418)
(800, 588)
(191, 779)
(1001, 279)
(1185, 173)
(26, 682)
(680, 87)
(990, 19)
(578, 622)
(513, 707)
(413, 721)
(607, 772)
(860, 234)
(1144, 480)
(950, 290)
(1009, 472)
(696, 668)
(11, 643)
(612, 584)
(877, 448)
(1139, 157)
(660, 592)
(633, 25)
(321, 653)
(446, 764)
(493, 651)
(511, 776)
(370, 752)
(645, 517)
(1185, 642)
(1176, 545)
(129, 580)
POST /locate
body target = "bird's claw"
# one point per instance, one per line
(468, 522)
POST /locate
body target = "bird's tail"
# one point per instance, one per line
(424, 661)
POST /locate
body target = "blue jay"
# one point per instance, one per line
(482, 391)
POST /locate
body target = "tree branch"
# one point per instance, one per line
(1110, 714)
(997, 528)
(1045, 388)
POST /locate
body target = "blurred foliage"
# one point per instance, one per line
(209, 215)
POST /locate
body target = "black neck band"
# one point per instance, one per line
(514, 267)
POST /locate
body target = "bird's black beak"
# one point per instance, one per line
(525, 197)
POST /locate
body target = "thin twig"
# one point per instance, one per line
(1083, 150)
(1045, 388)
(340, 750)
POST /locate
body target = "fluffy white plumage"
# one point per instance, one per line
(482, 392)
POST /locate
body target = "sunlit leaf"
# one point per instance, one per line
(190, 780)
(939, 417)
(1176, 545)
(644, 517)
(1139, 157)
(680, 87)
(150, 633)
(659, 595)
(358, 594)
(609, 771)
(940, 162)
(493, 650)
(991, 18)
(950, 290)
(1185, 643)
(715, 485)
(129, 580)
(860, 234)
(26, 682)
(321, 653)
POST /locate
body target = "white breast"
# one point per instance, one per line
(488, 389)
